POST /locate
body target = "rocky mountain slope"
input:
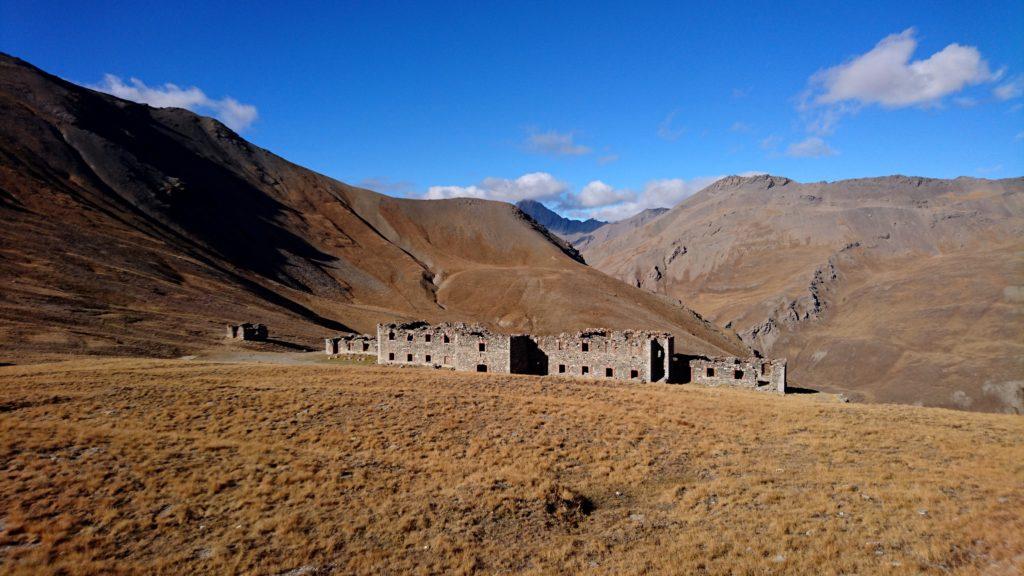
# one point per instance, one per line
(888, 289)
(555, 222)
(614, 229)
(134, 230)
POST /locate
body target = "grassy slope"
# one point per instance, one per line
(181, 467)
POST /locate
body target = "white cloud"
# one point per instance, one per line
(597, 194)
(666, 131)
(596, 200)
(664, 193)
(812, 147)
(555, 143)
(1012, 89)
(741, 127)
(886, 76)
(231, 112)
(532, 186)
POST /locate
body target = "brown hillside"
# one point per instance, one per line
(136, 230)
(888, 289)
(130, 466)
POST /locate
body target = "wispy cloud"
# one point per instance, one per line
(812, 147)
(741, 127)
(234, 114)
(555, 143)
(666, 128)
(608, 159)
(387, 186)
(770, 142)
(1010, 90)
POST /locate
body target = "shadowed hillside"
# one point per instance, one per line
(889, 289)
(137, 230)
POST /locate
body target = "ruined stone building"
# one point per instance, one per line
(351, 344)
(631, 355)
(752, 373)
(622, 355)
(449, 345)
(247, 331)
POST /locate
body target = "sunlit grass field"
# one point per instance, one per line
(159, 466)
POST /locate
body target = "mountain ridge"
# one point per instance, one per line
(556, 222)
(135, 230)
(894, 288)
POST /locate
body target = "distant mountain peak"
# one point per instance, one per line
(555, 222)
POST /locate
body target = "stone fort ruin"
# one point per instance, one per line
(753, 373)
(631, 355)
(246, 331)
(351, 344)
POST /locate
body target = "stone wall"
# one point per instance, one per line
(621, 355)
(246, 331)
(351, 344)
(751, 373)
(630, 355)
(417, 343)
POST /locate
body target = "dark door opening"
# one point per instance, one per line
(657, 361)
(481, 367)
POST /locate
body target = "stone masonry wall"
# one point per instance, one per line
(622, 355)
(483, 351)
(629, 355)
(751, 373)
(351, 344)
(247, 331)
(417, 343)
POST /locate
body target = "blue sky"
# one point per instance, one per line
(596, 109)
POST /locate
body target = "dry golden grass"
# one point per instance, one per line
(128, 466)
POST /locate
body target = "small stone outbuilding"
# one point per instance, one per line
(246, 331)
(751, 373)
(351, 344)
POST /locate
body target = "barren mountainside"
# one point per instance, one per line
(614, 229)
(888, 289)
(556, 223)
(136, 230)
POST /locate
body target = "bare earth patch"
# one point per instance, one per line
(129, 466)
